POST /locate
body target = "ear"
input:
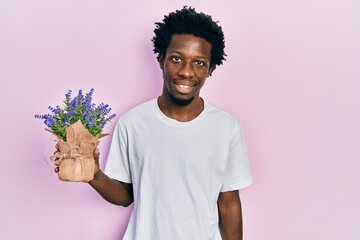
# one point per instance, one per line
(160, 59)
(211, 69)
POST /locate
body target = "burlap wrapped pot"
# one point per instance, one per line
(75, 157)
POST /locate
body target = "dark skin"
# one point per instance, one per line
(185, 66)
(111, 190)
(230, 215)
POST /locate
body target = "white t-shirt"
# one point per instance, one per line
(177, 170)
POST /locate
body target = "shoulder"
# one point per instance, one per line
(221, 116)
(138, 113)
(140, 109)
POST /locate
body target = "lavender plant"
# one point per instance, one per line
(93, 117)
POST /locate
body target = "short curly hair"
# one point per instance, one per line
(188, 21)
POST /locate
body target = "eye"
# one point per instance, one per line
(175, 59)
(199, 63)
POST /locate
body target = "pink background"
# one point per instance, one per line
(292, 78)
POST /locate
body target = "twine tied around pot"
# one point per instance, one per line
(75, 157)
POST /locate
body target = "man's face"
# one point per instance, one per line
(185, 67)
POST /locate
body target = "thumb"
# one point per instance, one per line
(96, 154)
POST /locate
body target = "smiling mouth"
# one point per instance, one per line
(183, 88)
(184, 83)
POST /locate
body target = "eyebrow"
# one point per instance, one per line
(200, 57)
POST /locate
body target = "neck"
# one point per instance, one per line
(178, 112)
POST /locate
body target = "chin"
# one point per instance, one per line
(180, 101)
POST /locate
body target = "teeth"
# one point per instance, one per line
(184, 86)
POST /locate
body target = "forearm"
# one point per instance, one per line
(111, 190)
(230, 219)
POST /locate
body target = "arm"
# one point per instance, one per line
(230, 215)
(111, 190)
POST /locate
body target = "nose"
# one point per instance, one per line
(186, 70)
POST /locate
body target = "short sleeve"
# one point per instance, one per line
(117, 165)
(238, 173)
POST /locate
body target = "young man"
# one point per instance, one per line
(178, 158)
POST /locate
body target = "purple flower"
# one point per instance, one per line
(80, 94)
(88, 105)
(91, 92)
(80, 97)
(86, 119)
(87, 108)
(112, 116)
(104, 108)
(49, 121)
(39, 116)
(92, 121)
(103, 122)
(69, 115)
(94, 117)
(55, 110)
(67, 96)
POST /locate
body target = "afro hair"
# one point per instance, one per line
(188, 21)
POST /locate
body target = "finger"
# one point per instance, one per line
(56, 156)
(96, 154)
(57, 149)
(56, 169)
